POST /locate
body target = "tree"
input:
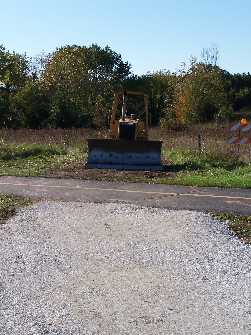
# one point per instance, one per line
(14, 69)
(14, 73)
(160, 88)
(200, 92)
(31, 106)
(78, 79)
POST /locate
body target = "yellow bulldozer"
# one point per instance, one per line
(128, 147)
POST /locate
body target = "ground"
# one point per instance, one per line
(92, 257)
(231, 205)
(63, 152)
(84, 268)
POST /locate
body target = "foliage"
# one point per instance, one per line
(74, 85)
(9, 204)
(160, 88)
(200, 94)
(240, 225)
(31, 106)
(14, 72)
(14, 69)
(239, 90)
(80, 82)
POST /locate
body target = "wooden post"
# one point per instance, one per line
(146, 114)
(200, 142)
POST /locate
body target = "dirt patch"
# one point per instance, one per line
(79, 171)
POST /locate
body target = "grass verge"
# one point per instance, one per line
(9, 205)
(207, 169)
(36, 159)
(183, 167)
(240, 225)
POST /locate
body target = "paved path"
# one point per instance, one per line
(163, 196)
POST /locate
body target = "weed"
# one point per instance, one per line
(240, 225)
(9, 205)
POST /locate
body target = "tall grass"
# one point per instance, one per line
(66, 137)
(213, 140)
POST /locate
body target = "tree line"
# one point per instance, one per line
(74, 85)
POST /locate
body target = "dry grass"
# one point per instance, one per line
(68, 137)
(213, 138)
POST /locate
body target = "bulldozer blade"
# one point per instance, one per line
(124, 155)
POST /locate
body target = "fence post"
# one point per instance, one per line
(200, 142)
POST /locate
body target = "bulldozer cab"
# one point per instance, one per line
(132, 122)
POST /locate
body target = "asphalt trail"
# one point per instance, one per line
(152, 195)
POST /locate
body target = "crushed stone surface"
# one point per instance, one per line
(111, 269)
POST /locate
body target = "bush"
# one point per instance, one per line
(32, 106)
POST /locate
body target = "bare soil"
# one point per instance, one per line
(80, 171)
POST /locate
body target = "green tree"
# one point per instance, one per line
(77, 79)
(200, 93)
(14, 69)
(31, 106)
(14, 73)
(160, 88)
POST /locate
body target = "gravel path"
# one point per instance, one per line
(111, 269)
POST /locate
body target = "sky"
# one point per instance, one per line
(150, 35)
